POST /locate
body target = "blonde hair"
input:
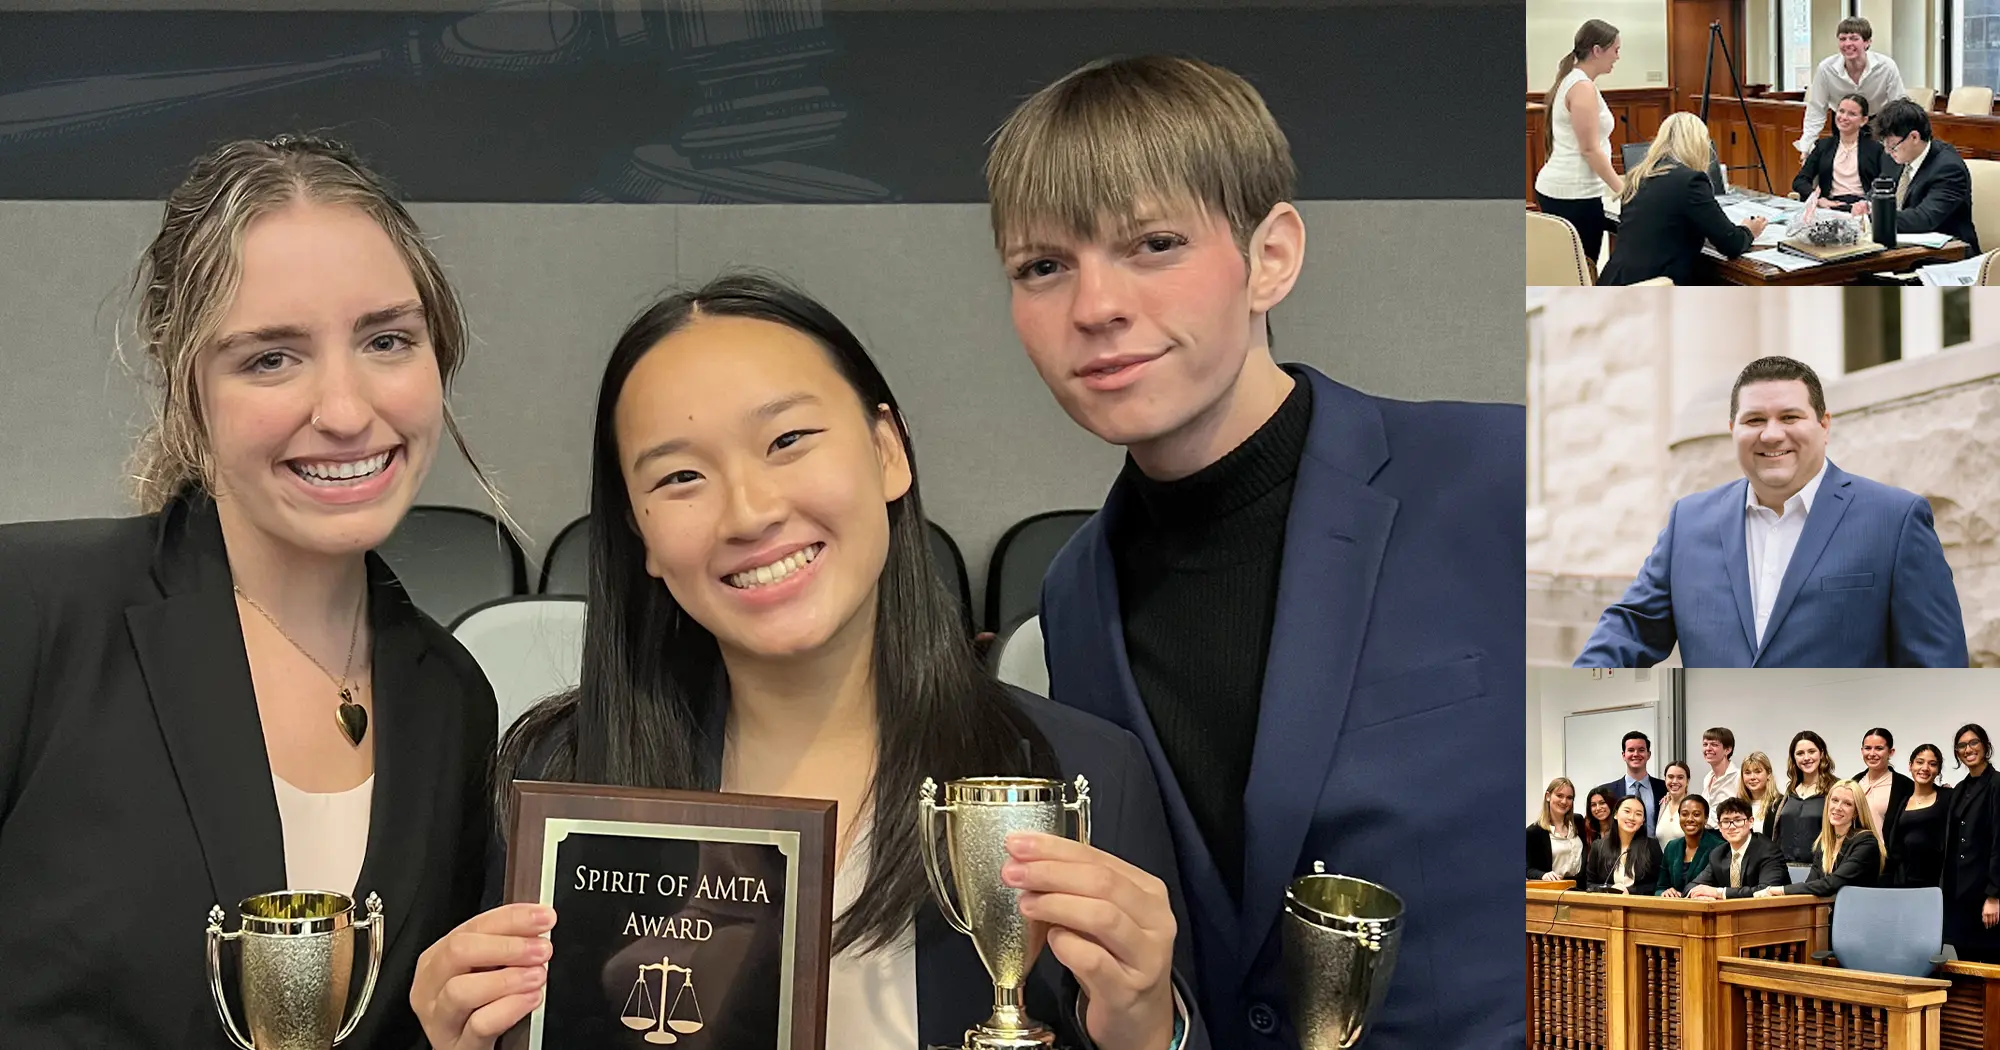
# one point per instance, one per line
(1864, 819)
(1757, 758)
(1547, 822)
(1682, 139)
(1120, 134)
(189, 276)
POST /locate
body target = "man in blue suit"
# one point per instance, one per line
(1304, 600)
(1796, 564)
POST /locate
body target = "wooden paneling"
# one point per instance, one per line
(1781, 1006)
(1636, 114)
(1688, 39)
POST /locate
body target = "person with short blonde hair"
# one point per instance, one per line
(1142, 211)
(1669, 210)
(231, 693)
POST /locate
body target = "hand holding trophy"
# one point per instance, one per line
(297, 952)
(1340, 937)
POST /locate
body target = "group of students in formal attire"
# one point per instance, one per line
(1668, 209)
(231, 694)
(1738, 831)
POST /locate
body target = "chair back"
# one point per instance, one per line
(1985, 195)
(1555, 253)
(1020, 559)
(1988, 273)
(1018, 657)
(951, 564)
(1922, 96)
(1971, 100)
(566, 568)
(453, 558)
(1883, 930)
(529, 646)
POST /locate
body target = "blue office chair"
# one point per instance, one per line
(1880, 930)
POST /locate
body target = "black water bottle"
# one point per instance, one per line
(1882, 211)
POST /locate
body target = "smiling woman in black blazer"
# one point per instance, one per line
(1629, 859)
(1669, 210)
(1851, 144)
(229, 695)
(1971, 875)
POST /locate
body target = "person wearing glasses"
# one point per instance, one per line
(1971, 877)
(1749, 864)
(1934, 194)
(1916, 845)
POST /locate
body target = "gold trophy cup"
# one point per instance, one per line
(1340, 937)
(297, 952)
(978, 813)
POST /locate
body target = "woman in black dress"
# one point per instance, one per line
(1971, 883)
(1916, 846)
(1803, 810)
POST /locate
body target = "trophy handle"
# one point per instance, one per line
(372, 925)
(215, 939)
(927, 811)
(1081, 807)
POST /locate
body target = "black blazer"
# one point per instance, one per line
(1661, 229)
(1763, 866)
(1542, 854)
(1645, 855)
(1816, 172)
(1859, 863)
(135, 791)
(1940, 198)
(1127, 820)
(1972, 865)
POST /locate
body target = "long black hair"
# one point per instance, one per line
(653, 690)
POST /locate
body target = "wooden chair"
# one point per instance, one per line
(1555, 253)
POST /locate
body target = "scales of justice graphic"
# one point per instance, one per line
(643, 1013)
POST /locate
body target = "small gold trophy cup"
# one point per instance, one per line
(297, 956)
(1340, 938)
(978, 813)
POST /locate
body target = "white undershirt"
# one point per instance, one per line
(1771, 539)
(1715, 788)
(326, 835)
(871, 1000)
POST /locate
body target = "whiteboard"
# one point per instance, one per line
(1765, 707)
(1593, 745)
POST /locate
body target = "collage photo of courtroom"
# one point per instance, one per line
(1762, 555)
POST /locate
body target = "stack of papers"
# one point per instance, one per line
(1783, 260)
(1950, 275)
(1928, 240)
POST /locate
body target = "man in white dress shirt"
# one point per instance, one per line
(1718, 746)
(1855, 70)
(1796, 564)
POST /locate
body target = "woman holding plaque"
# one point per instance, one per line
(229, 695)
(764, 618)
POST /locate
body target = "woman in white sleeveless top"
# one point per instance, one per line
(1578, 173)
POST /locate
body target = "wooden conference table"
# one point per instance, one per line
(1611, 972)
(1745, 271)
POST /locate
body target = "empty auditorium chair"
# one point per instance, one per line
(1985, 197)
(566, 568)
(944, 552)
(453, 558)
(529, 646)
(1555, 253)
(1922, 96)
(1018, 658)
(1970, 100)
(1882, 930)
(1020, 559)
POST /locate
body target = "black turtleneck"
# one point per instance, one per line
(1197, 561)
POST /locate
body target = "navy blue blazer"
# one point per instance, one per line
(954, 991)
(1396, 642)
(1867, 587)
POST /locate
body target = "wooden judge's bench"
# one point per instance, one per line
(1611, 972)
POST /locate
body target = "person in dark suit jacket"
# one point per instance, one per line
(1759, 865)
(1916, 846)
(1880, 781)
(1628, 860)
(1821, 171)
(1857, 856)
(1971, 874)
(1557, 824)
(772, 625)
(1669, 210)
(229, 695)
(1934, 192)
(1867, 584)
(1637, 751)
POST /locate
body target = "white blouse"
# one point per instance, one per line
(871, 1000)
(326, 835)
(1566, 850)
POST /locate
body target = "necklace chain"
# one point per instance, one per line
(340, 680)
